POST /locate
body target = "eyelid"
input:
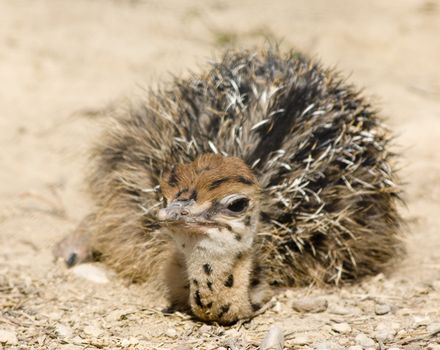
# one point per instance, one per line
(232, 198)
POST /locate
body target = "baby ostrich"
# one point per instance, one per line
(212, 214)
(266, 171)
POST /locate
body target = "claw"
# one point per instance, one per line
(71, 260)
(73, 250)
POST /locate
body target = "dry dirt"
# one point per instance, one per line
(62, 61)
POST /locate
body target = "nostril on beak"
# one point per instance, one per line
(173, 215)
(175, 210)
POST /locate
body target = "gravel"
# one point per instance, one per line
(384, 332)
(365, 341)
(328, 345)
(382, 309)
(342, 328)
(8, 337)
(91, 273)
(312, 305)
(301, 340)
(433, 328)
(274, 339)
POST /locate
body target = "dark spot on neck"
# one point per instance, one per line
(229, 281)
(195, 282)
(224, 309)
(247, 220)
(207, 268)
(198, 299)
(255, 282)
(228, 227)
(209, 284)
(209, 305)
(237, 237)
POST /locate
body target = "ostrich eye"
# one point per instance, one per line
(238, 205)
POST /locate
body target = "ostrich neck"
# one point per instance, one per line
(219, 278)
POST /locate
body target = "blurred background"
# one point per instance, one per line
(59, 57)
(62, 62)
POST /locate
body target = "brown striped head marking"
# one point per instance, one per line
(209, 186)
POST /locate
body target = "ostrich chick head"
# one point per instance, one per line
(212, 209)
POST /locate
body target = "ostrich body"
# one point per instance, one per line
(265, 171)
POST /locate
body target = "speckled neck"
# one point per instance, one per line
(219, 285)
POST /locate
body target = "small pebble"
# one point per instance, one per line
(90, 272)
(327, 345)
(230, 333)
(404, 312)
(343, 327)
(64, 331)
(278, 307)
(436, 285)
(301, 340)
(412, 347)
(343, 310)
(274, 339)
(117, 315)
(125, 343)
(396, 326)
(343, 341)
(364, 341)
(171, 333)
(384, 332)
(8, 337)
(206, 329)
(70, 347)
(312, 305)
(56, 316)
(421, 321)
(433, 328)
(77, 340)
(289, 294)
(382, 309)
(93, 331)
(402, 333)
(183, 347)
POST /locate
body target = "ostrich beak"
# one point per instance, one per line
(178, 210)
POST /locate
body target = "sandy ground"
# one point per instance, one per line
(62, 60)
